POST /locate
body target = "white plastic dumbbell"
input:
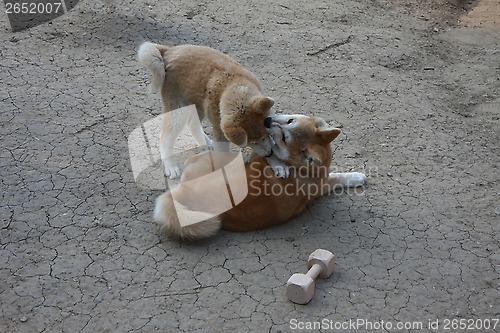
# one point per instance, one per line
(300, 287)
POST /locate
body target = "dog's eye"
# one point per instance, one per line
(290, 121)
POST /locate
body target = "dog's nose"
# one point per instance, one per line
(268, 122)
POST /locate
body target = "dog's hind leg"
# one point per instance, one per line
(172, 124)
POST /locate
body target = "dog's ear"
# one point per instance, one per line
(238, 136)
(328, 135)
(263, 104)
(320, 123)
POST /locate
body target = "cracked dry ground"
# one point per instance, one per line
(418, 102)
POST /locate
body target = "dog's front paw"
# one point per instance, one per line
(171, 170)
(279, 167)
(281, 171)
(355, 179)
(350, 179)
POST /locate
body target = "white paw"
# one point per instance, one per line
(281, 171)
(171, 170)
(350, 179)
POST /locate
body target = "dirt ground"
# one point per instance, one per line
(416, 92)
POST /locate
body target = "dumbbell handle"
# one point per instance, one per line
(314, 271)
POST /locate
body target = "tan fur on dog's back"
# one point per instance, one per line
(257, 210)
(196, 72)
(229, 95)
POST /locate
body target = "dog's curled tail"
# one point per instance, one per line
(166, 216)
(150, 56)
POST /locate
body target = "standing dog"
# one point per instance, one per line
(222, 90)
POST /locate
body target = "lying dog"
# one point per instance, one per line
(222, 90)
(304, 143)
